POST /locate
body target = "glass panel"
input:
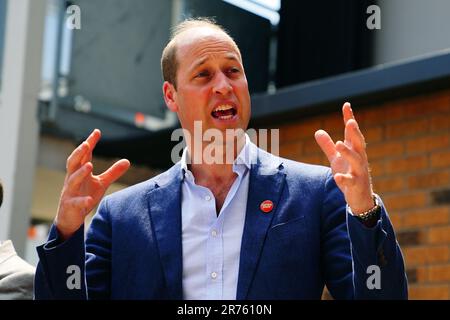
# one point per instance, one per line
(2, 35)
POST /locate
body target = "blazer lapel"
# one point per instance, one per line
(266, 183)
(165, 213)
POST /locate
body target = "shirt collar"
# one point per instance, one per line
(240, 164)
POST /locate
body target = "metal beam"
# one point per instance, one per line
(379, 81)
(19, 127)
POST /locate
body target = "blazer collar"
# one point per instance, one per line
(266, 183)
(164, 203)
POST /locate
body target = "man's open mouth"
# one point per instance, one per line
(224, 112)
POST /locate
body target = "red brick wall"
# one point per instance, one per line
(408, 144)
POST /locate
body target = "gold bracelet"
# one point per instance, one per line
(369, 214)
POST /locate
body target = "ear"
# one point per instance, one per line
(170, 95)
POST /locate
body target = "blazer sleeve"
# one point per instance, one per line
(76, 269)
(359, 262)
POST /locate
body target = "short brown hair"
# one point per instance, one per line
(169, 62)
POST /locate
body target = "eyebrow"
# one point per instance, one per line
(202, 61)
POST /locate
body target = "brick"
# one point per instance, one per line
(428, 104)
(409, 237)
(441, 197)
(377, 114)
(428, 292)
(388, 184)
(411, 274)
(429, 180)
(440, 123)
(442, 100)
(377, 168)
(439, 273)
(439, 235)
(333, 122)
(311, 147)
(395, 110)
(425, 217)
(440, 159)
(396, 220)
(405, 201)
(407, 128)
(417, 275)
(369, 116)
(314, 159)
(291, 150)
(424, 255)
(297, 131)
(372, 134)
(421, 274)
(385, 149)
(407, 164)
(427, 144)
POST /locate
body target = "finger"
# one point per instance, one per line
(354, 136)
(344, 180)
(114, 172)
(347, 112)
(74, 160)
(351, 156)
(92, 140)
(81, 204)
(326, 144)
(78, 177)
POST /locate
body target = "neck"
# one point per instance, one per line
(216, 163)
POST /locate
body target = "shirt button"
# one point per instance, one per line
(207, 198)
(214, 233)
(213, 275)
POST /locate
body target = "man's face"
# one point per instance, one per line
(211, 83)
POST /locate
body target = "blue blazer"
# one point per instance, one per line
(133, 248)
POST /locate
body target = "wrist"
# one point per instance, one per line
(63, 234)
(364, 207)
(372, 213)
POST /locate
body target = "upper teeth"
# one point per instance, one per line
(223, 107)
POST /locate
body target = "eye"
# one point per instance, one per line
(233, 70)
(202, 74)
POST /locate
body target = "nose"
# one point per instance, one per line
(222, 84)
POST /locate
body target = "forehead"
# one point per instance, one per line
(201, 44)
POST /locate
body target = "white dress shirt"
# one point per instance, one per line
(211, 243)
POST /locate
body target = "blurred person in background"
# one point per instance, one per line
(16, 275)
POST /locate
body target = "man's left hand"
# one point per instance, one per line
(349, 164)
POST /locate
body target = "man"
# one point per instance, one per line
(260, 227)
(16, 275)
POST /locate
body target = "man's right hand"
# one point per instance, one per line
(82, 191)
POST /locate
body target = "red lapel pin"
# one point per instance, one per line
(266, 206)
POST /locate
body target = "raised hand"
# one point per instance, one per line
(349, 164)
(82, 191)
